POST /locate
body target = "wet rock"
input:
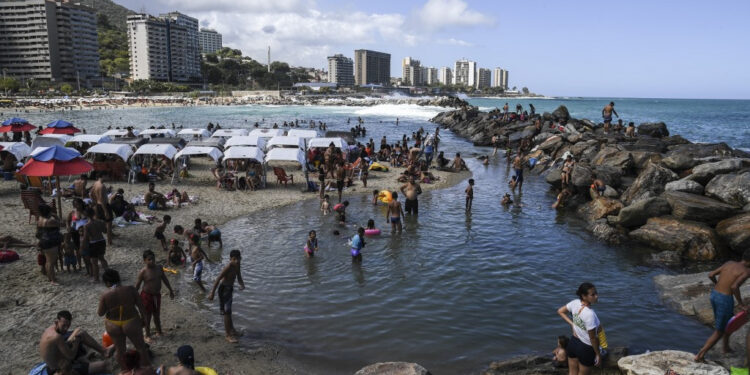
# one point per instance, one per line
(702, 150)
(733, 189)
(639, 212)
(691, 240)
(686, 186)
(649, 183)
(679, 162)
(735, 231)
(698, 207)
(641, 159)
(561, 114)
(673, 140)
(554, 178)
(393, 368)
(599, 208)
(581, 177)
(666, 258)
(542, 364)
(660, 362)
(610, 234)
(654, 129)
(610, 175)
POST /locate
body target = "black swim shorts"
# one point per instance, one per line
(225, 298)
(584, 353)
(97, 249)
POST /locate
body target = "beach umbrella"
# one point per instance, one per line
(60, 127)
(56, 161)
(16, 125)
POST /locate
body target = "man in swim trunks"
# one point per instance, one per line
(159, 231)
(93, 243)
(79, 187)
(411, 190)
(214, 234)
(154, 199)
(99, 194)
(225, 283)
(607, 112)
(340, 176)
(151, 276)
(197, 255)
(394, 213)
(598, 187)
(358, 242)
(731, 276)
(63, 351)
(518, 170)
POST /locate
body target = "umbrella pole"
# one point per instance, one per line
(59, 198)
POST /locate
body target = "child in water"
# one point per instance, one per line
(560, 355)
(325, 205)
(358, 242)
(312, 244)
(469, 194)
(371, 224)
(375, 194)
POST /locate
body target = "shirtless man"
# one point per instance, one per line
(411, 191)
(494, 143)
(630, 130)
(225, 283)
(151, 276)
(79, 187)
(394, 213)
(329, 159)
(414, 154)
(186, 360)
(63, 351)
(458, 163)
(727, 288)
(607, 112)
(518, 170)
(597, 188)
(340, 177)
(154, 199)
(505, 112)
(93, 243)
(99, 194)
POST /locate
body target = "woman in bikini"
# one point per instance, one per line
(48, 233)
(123, 316)
(566, 170)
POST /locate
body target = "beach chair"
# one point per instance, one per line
(356, 168)
(32, 199)
(282, 177)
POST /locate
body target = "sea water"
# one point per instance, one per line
(456, 289)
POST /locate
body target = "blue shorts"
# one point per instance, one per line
(519, 175)
(70, 260)
(607, 118)
(723, 306)
(395, 220)
(214, 235)
(198, 271)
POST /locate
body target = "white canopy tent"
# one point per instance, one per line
(119, 132)
(212, 152)
(286, 142)
(246, 140)
(49, 140)
(90, 138)
(286, 155)
(121, 150)
(203, 133)
(19, 150)
(303, 133)
(245, 152)
(324, 142)
(267, 133)
(167, 133)
(226, 133)
(157, 149)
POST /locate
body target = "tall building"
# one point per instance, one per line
(445, 76)
(411, 72)
(464, 73)
(162, 49)
(340, 70)
(484, 78)
(431, 76)
(42, 39)
(504, 79)
(500, 79)
(372, 67)
(209, 40)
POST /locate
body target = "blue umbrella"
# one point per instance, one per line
(56, 152)
(15, 120)
(59, 124)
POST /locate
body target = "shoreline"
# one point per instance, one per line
(30, 303)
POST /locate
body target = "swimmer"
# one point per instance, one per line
(469, 194)
(175, 256)
(394, 213)
(325, 205)
(375, 194)
(506, 200)
(358, 242)
(312, 244)
(341, 211)
(371, 224)
(560, 354)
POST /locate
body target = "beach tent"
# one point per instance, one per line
(119, 132)
(166, 133)
(19, 150)
(245, 152)
(286, 142)
(177, 142)
(338, 142)
(347, 136)
(212, 152)
(50, 140)
(89, 138)
(227, 133)
(267, 133)
(246, 140)
(157, 149)
(194, 132)
(121, 150)
(303, 133)
(286, 155)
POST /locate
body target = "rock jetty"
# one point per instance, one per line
(687, 201)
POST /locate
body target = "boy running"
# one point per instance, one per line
(225, 282)
(151, 276)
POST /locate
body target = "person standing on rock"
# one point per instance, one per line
(607, 112)
(583, 347)
(505, 112)
(727, 288)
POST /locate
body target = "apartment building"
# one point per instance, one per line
(163, 48)
(340, 70)
(372, 67)
(209, 40)
(465, 73)
(484, 78)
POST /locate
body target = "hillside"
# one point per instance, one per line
(116, 14)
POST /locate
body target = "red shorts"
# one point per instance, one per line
(151, 302)
(41, 259)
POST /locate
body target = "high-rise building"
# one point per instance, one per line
(464, 73)
(445, 76)
(412, 72)
(484, 78)
(500, 79)
(209, 40)
(162, 49)
(372, 67)
(341, 70)
(504, 79)
(431, 76)
(42, 39)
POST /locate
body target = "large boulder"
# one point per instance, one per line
(679, 161)
(691, 240)
(702, 150)
(641, 159)
(661, 362)
(599, 208)
(614, 157)
(719, 167)
(611, 234)
(698, 207)
(730, 188)
(393, 368)
(561, 114)
(610, 175)
(639, 212)
(649, 144)
(554, 177)
(551, 143)
(686, 186)
(649, 183)
(578, 148)
(654, 129)
(735, 231)
(581, 177)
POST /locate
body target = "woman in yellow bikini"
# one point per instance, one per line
(123, 316)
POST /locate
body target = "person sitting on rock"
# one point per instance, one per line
(597, 188)
(630, 131)
(567, 169)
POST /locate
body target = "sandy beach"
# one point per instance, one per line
(29, 303)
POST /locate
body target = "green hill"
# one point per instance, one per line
(116, 13)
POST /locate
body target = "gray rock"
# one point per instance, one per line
(578, 148)
(735, 231)
(581, 177)
(702, 150)
(676, 139)
(733, 189)
(679, 162)
(691, 240)
(639, 212)
(610, 192)
(649, 183)
(554, 178)
(613, 157)
(686, 186)
(610, 175)
(599, 208)
(654, 129)
(561, 114)
(719, 167)
(660, 362)
(641, 159)
(650, 144)
(610, 234)
(698, 207)
(551, 143)
(393, 368)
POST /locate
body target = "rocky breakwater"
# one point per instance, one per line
(355, 100)
(687, 201)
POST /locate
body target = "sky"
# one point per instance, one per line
(653, 49)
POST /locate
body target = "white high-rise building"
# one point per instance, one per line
(412, 72)
(465, 73)
(445, 76)
(341, 70)
(500, 79)
(209, 40)
(484, 78)
(431, 76)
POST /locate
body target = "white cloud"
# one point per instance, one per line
(455, 42)
(442, 14)
(242, 6)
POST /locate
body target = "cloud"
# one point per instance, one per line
(243, 6)
(455, 42)
(269, 29)
(443, 14)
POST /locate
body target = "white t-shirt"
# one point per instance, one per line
(583, 320)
